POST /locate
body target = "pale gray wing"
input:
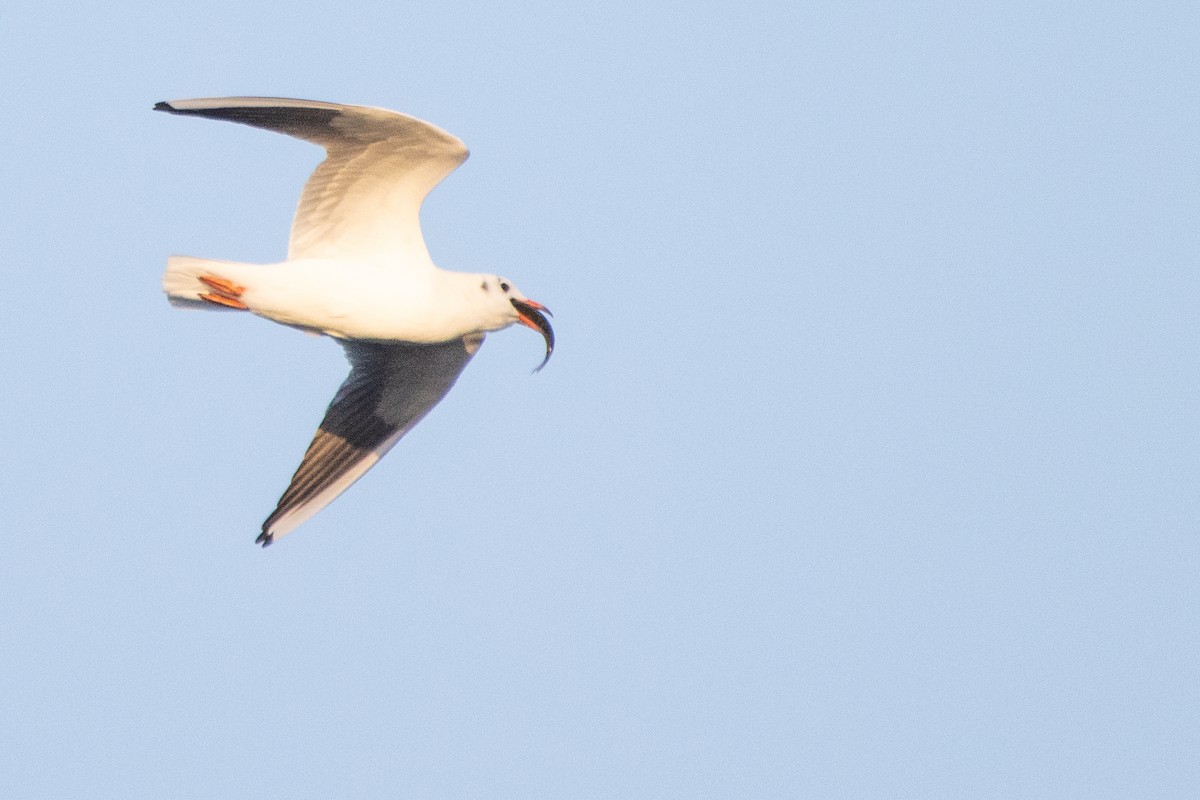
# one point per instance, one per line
(390, 388)
(363, 202)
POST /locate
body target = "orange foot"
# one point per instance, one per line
(222, 300)
(225, 292)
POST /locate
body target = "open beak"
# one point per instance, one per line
(533, 315)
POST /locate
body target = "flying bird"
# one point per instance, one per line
(357, 270)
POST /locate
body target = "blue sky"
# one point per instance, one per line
(866, 465)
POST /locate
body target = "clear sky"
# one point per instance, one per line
(866, 465)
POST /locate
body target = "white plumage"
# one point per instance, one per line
(358, 270)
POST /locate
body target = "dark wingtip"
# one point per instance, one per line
(264, 539)
(163, 106)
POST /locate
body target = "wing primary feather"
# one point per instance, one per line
(363, 202)
(309, 123)
(391, 387)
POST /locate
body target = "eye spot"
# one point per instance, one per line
(503, 286)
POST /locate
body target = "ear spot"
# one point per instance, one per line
(484, 286)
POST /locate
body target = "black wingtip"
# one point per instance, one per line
(264, 539)
(163, 106)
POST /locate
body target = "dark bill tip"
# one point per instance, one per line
(533, 315)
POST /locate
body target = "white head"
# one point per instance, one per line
(508, 305)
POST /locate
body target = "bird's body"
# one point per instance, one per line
(358, 271)
(349, 300)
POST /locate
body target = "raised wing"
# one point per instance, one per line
(390, 388)
(363, 202)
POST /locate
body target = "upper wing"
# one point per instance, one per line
(364, 201)
(390, 388)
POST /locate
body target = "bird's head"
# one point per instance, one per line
(516, 307)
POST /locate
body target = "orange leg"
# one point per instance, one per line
(223, 286)
(226, 293)
(222, 300)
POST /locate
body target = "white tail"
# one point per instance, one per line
(182, 281)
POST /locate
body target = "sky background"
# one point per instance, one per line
(866, 465)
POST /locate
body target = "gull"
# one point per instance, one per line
(357, 270)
